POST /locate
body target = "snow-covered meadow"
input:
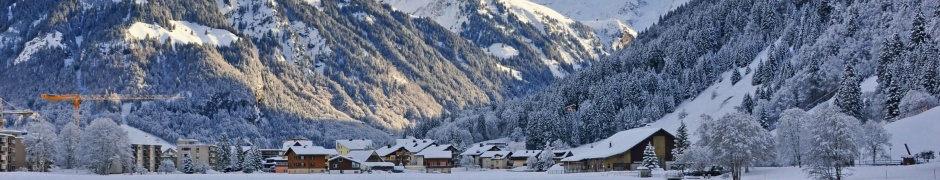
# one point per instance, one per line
(922, 171)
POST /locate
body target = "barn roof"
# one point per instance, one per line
(616, 144)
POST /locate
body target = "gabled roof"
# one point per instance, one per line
(361, 156)
(616, 144)
(525, 154)
(296, 143)
(494, 154)
(477, 149)
(438, 148)
(386, 150)
(435, 154)
(343, 157)
(311, 150)
(355, 143)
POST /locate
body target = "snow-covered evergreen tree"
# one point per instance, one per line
(649, 157)
(139, 169)
(735, 75)
(40, 144)
(890, 52)
(737, 141)
(200, 168)
(894, 95)
(682, 142)
(188, 167)
(833, 144)
(848, 97)
(103, 144)
(792, 137)
(252, 160)
(747, 104)
(223, 153)
(545, 160)
(237, 156)
(166, 166)
(67, 147)
(918, 32)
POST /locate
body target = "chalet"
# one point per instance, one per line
(345, 145)
(370, 160)
(269, 153)
(402, 153)
(475, 150)
(437, 160)
(343, 165)
(435, 149)
(495, 159)
(305, 159)
(519, 158)
(622, 151)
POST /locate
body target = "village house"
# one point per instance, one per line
(402, 153)
(437, 160)
(623, 151)
(168, 154)
(520, 158)
(495, 159)
(304, 158)
(344, 146)
(342, 165)
(200, 153)
(475, 150)
(434, 149)
(12, 150)
(269, 153)
(370, 160)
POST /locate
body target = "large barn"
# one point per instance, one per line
(622, 151)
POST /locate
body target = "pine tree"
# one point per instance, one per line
(848, 98)
(223, 153)
(252, 160)
(929, 79)
(918, 32)
(649, 157)
(188, 164)
(682, 140)
(735, 75)
(893, 102)
(747, 104)
(167, 166)
(238, 156)
(890, 51)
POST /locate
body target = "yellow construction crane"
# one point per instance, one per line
(22, 113)
(77, 99)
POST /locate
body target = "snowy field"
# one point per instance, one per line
(923, 171)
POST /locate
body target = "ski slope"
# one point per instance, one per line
(140, 137)
(919, 132)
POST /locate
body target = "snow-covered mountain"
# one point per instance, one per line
(274, 69)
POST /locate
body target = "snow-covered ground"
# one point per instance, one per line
(140, 137)
(918, 132)
(922, 171)
(33, 46)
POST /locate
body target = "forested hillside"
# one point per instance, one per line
(816, 51)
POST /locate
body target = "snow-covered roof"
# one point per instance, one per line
(275, 158)
(355, 143)
(525, 153)
(477, 149)
(344, 157)
(438, 148)
(361, 156)
(296, 143)
(312, 150)
(386, 150)
(616, 144)
(411, 145)
(493, 154)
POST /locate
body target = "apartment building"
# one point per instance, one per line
(12, 150)
(197, 151)
(148, 156)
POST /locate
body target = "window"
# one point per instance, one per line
(185, 149)
(335, 166)
(301, 157)
(340, 159)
